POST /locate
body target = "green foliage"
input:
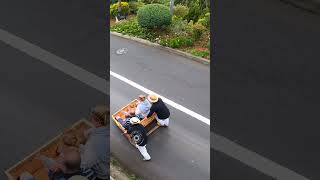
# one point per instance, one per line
(164, 2)
(208, 45)
(113, 1)
(200, 53)
(194, 12)
(132, 28)
(198, 30)
(114, 9)
(154, 16)
(205, 21)
(177, 42)
(180, 27)
(180, 10)
(134, 6)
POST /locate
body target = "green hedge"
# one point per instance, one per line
(154, 16)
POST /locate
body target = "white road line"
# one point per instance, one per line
(252, 159)
(218, 143)
(56, 62)
(166, 100)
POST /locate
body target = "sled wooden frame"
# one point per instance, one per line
(34, 166)
(145, 122)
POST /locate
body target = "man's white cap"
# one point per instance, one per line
(134, 120)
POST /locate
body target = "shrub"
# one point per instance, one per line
(132, 28)
(194, 12)
(198, 30)
(205, 21)
(177, 42)
(114, 9)
(164, 2)
(180, 27)
(134, 6)
(153, 16)
(180, 11)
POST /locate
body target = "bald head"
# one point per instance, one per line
(72, 160)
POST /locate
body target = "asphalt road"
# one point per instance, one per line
(181, 151)
(267, 92)
(38, 101)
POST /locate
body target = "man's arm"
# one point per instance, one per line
(152, 110)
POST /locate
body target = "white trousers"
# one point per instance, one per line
(163, 122)
(144, 152)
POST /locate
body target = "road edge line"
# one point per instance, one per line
(166, 100)
(174, 51)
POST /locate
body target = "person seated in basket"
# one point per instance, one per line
(95, 151)
(131, 110)
(139, 136)
(69, 166)
(143, 107)
(126, 121)
(160, 109)
(69, 142)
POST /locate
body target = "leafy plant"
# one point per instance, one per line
(180, 27)
(198, 30)
(194, 11)
(205, 21)
(200, 53)
(132, 28)
(134, 6)
(164, 2)
(114, 9)
(177, 42)
(154, 16)
(180, 11)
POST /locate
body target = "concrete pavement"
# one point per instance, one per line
(39, 101)
(267, 84)
(181, 151)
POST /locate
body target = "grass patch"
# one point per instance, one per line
(200, 53)
(119, 172)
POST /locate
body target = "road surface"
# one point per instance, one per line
(267, 91)
(38, 101)
(181, 151)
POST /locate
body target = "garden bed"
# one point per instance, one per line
(181, 34)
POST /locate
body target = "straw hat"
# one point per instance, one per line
(101, 113)
(134, 120)
(153, 98)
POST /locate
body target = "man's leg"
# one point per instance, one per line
(121, 121)
(144, 152)
(163, 122)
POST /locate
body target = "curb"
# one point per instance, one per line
(174, 51)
